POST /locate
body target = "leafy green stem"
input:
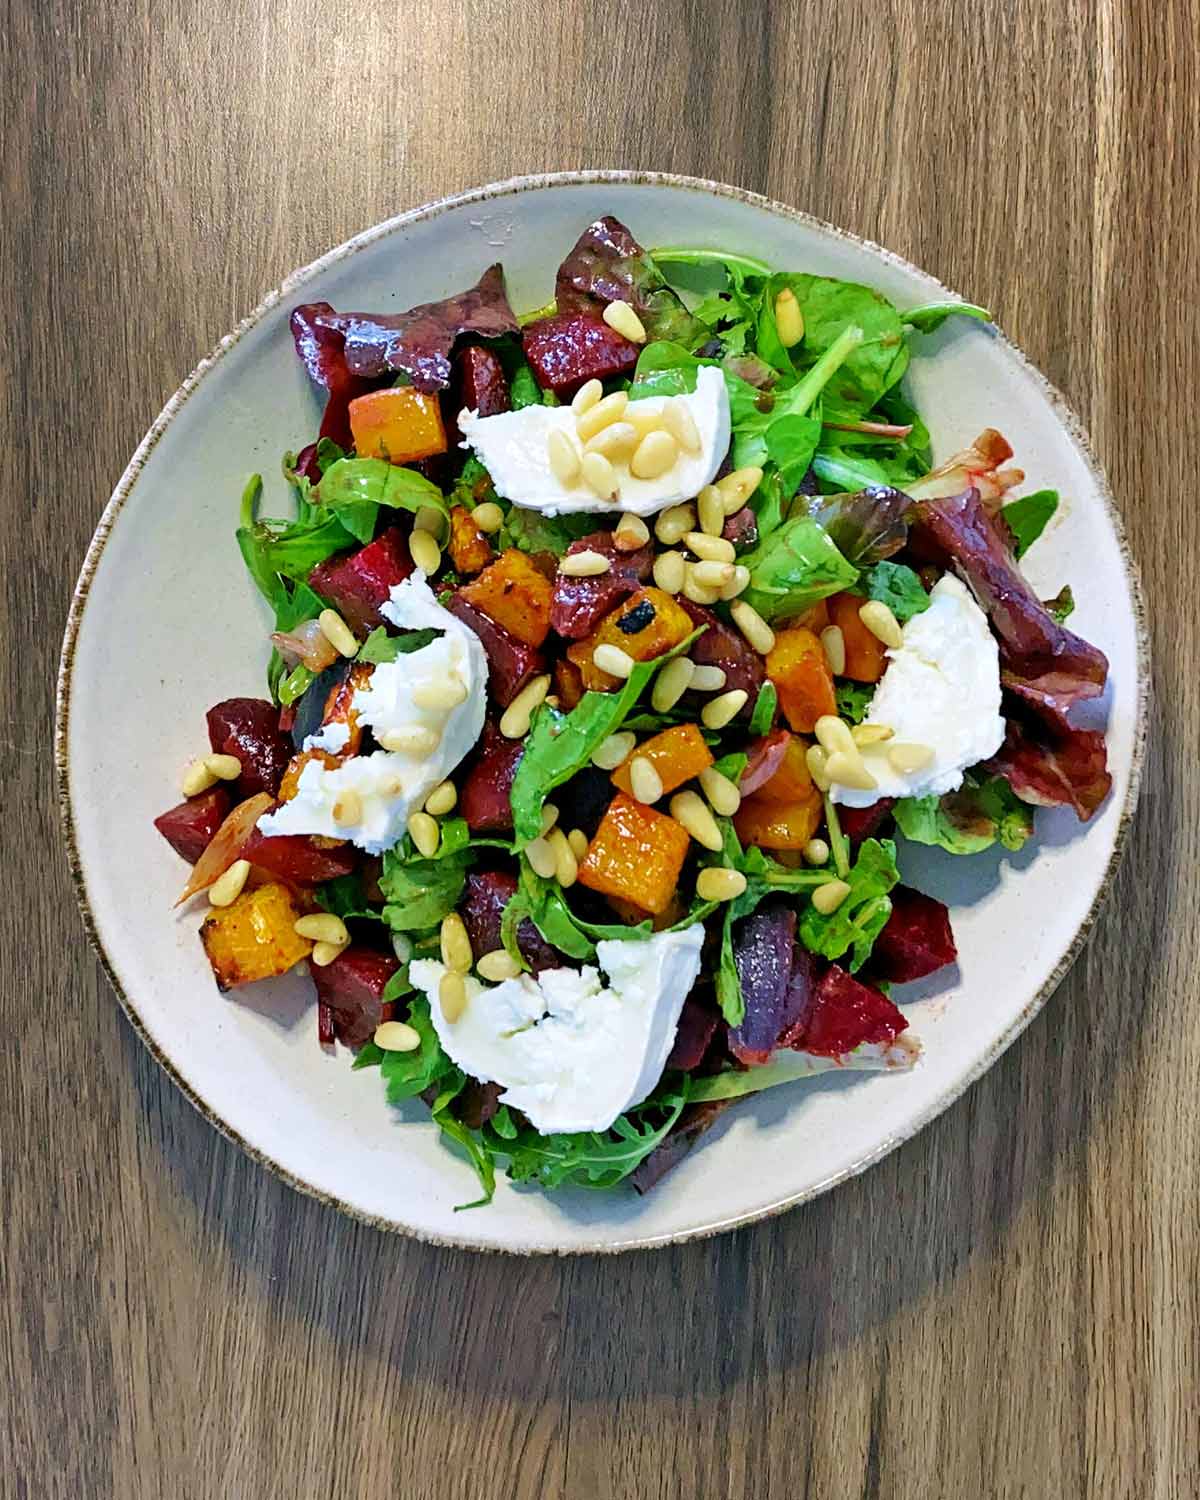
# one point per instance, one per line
(825, 368)
(838, 842)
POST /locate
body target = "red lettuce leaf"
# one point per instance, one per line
(1051, 766)
(608, 265)
(323, 350)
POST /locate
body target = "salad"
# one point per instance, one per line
(614, 646)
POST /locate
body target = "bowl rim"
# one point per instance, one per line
(509, 188)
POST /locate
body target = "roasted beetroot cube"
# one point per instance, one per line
(688, 1129)
(189, 827)
(581, 603)
(352, 988)
(721, 647)
(697, 1025)
(741, 528)
(249, 728)
(859, 823)
(477, 1103)
(483, 385)
(511, 663)
(916, 940)
(298, 858)
(357, 583)
(570, 348)
(842, 1013)
(775, 973)
(486, 895)
(483, 798)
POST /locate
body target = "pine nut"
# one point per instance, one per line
(870, 734)
(674, 523)
(488, 517)
(645, 780)
(739, 486)
(578, 841)
(655, 454)
(828, 897)
(789, 320)
(599, 475)
(709, 548)
(452, 995)
(225, 890)
(882, 623)
(608, 409)
(834, 734)
(396, 1036)
(566, 867)
(586, 397)
(712, 575)
(849, 770)
(562, 457)
(441, 800)
(609, 753)
(678, 420)
(645, 416)
(455, 944)
(817, 759)
(613, 660)
(621, 317)
(718, 712)
(753, 626)
(816, 852)
(615, 442)
(717, 883)
(197, 778)
(429, 518)
(833, 643)
(695, 591)
(322, 927)
(669, 571)
(224, 767)
(497, 966)
(738, 584)
(720, 791)
(445, 694)
(347, 808)
(337, 632)
(671, 683)
(706, 679)
(514, 721)
(691, 813)
(585, 564)
(710, 507)
(425, 833)
(541, 858)
(631, 533)
(402, 946)
(907, 758)
(323, 954)
(425, 552)
(417, 740)
(549, 817)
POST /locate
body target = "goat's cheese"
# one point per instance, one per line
(512, 446)
(572, 1052)
(331, 737)
(941, 689)
(391, 784)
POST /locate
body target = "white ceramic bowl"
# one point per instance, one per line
(165, 622)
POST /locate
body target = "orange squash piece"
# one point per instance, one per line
(470, 550)
(865, 659)
(797, 666)
(400, 425)
(792, 782)
(636, 855)
(568, 683)
(254, 937)
(815, 618)
(516, 594)
(778, 825)
(645, 625)
(677, 754)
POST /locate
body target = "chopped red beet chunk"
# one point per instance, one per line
(511, 663)
(486, 895)
(697, 1026)
(581, 603)
(483, 386)
(249, 728)
(859, 823)
(916, 940)
(483, 798)
(298, 858)
(352, 987)
(842, 1013)
(189, 827)
(569, 348)
(358, 583)
(722, 647)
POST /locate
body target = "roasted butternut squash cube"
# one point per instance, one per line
(778, 825)
(636, 855)
(401, 424)
(797, 666)
(254, 938)
(792, 782)
(645, 625)
(865, 653)
(470, 550)
(677, 754)
(514, 594)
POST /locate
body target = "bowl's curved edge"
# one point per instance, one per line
(1062, 410)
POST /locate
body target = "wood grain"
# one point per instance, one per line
(1005, 1307)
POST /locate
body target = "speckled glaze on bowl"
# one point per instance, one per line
(141, 649)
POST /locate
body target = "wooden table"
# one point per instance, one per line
(1005, 1307)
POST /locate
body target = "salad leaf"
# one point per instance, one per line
(1028, 517)
(420, 892)
(355, 482)
(523, 389)
(896, 586)
(797, 565)
(682, 255)
(785, 1066)
(763, 714)
(853, 699)
(861, 917)
(1062, 606)
(931, 315)
(345, 898)
(380, 648)
(982, 813)
(607, 265)
(408, 1074)
(531, 531)
(866, 526)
